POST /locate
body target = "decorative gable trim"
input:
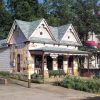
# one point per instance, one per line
(12, 31)
(47, 29)
(74, 33)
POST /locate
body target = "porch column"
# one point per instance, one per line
(30, 62)
(42, 66)
(46, 75)
(55, 64)
(86, 62)
(65, 64)
(33, 64)
(75, 66)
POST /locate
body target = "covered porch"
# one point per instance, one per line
(46, 59)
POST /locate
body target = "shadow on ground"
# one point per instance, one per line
(92, 98)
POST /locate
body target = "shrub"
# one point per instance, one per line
(4, 74)
(56, 73)
(36, 78)
(77, 83)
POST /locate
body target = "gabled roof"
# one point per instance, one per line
(61, 30)
(57, 32)
(28, 27)
(54, 31)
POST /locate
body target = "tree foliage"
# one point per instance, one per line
(83, 14)
(87, 17)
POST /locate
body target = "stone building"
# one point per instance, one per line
(37, 47)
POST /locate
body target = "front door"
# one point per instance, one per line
(18, 63)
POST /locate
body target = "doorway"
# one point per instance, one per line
(70, 65)
(60, 62)
(49, 63)
(18, 63)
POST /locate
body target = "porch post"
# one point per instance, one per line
(65, 64)
(86, 62)
(88, 65)
(75, 66)
(42, 67)
(46, 75)
(55, 65)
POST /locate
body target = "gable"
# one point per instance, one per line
(42, 31)
(17, 36)
(93, 37)
(71, 35)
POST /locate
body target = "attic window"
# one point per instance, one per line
(41, 33)
(68, 37)
(43, 25)
(70, 29)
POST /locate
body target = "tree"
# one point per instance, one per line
(23, 9)
(5, 20)
(59, 11)
(86, 18)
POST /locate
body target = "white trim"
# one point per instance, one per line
(11, 32)
(74, 33)
(50, 33)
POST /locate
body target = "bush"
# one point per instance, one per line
(22, 77)
(56, 73)
(77, 83)
(4, 74)
(36, 78)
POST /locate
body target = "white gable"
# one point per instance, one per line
(93, 37)
(70, 35)
(42, 31)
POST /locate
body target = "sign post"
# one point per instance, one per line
(29, 79)
(29, 76)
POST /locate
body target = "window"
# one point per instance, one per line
(41, 33)
(38, 62)
(68, 37)
(67, 45)
(43, 25)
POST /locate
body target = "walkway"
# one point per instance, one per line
(41, 92)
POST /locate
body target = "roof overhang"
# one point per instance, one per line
(59, 50)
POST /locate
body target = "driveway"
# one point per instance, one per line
(42, 92)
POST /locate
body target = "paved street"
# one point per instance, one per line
(41, 92)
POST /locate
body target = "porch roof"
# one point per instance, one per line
(3, 43)
(59, 50)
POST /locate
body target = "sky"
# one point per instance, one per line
(41, 1)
